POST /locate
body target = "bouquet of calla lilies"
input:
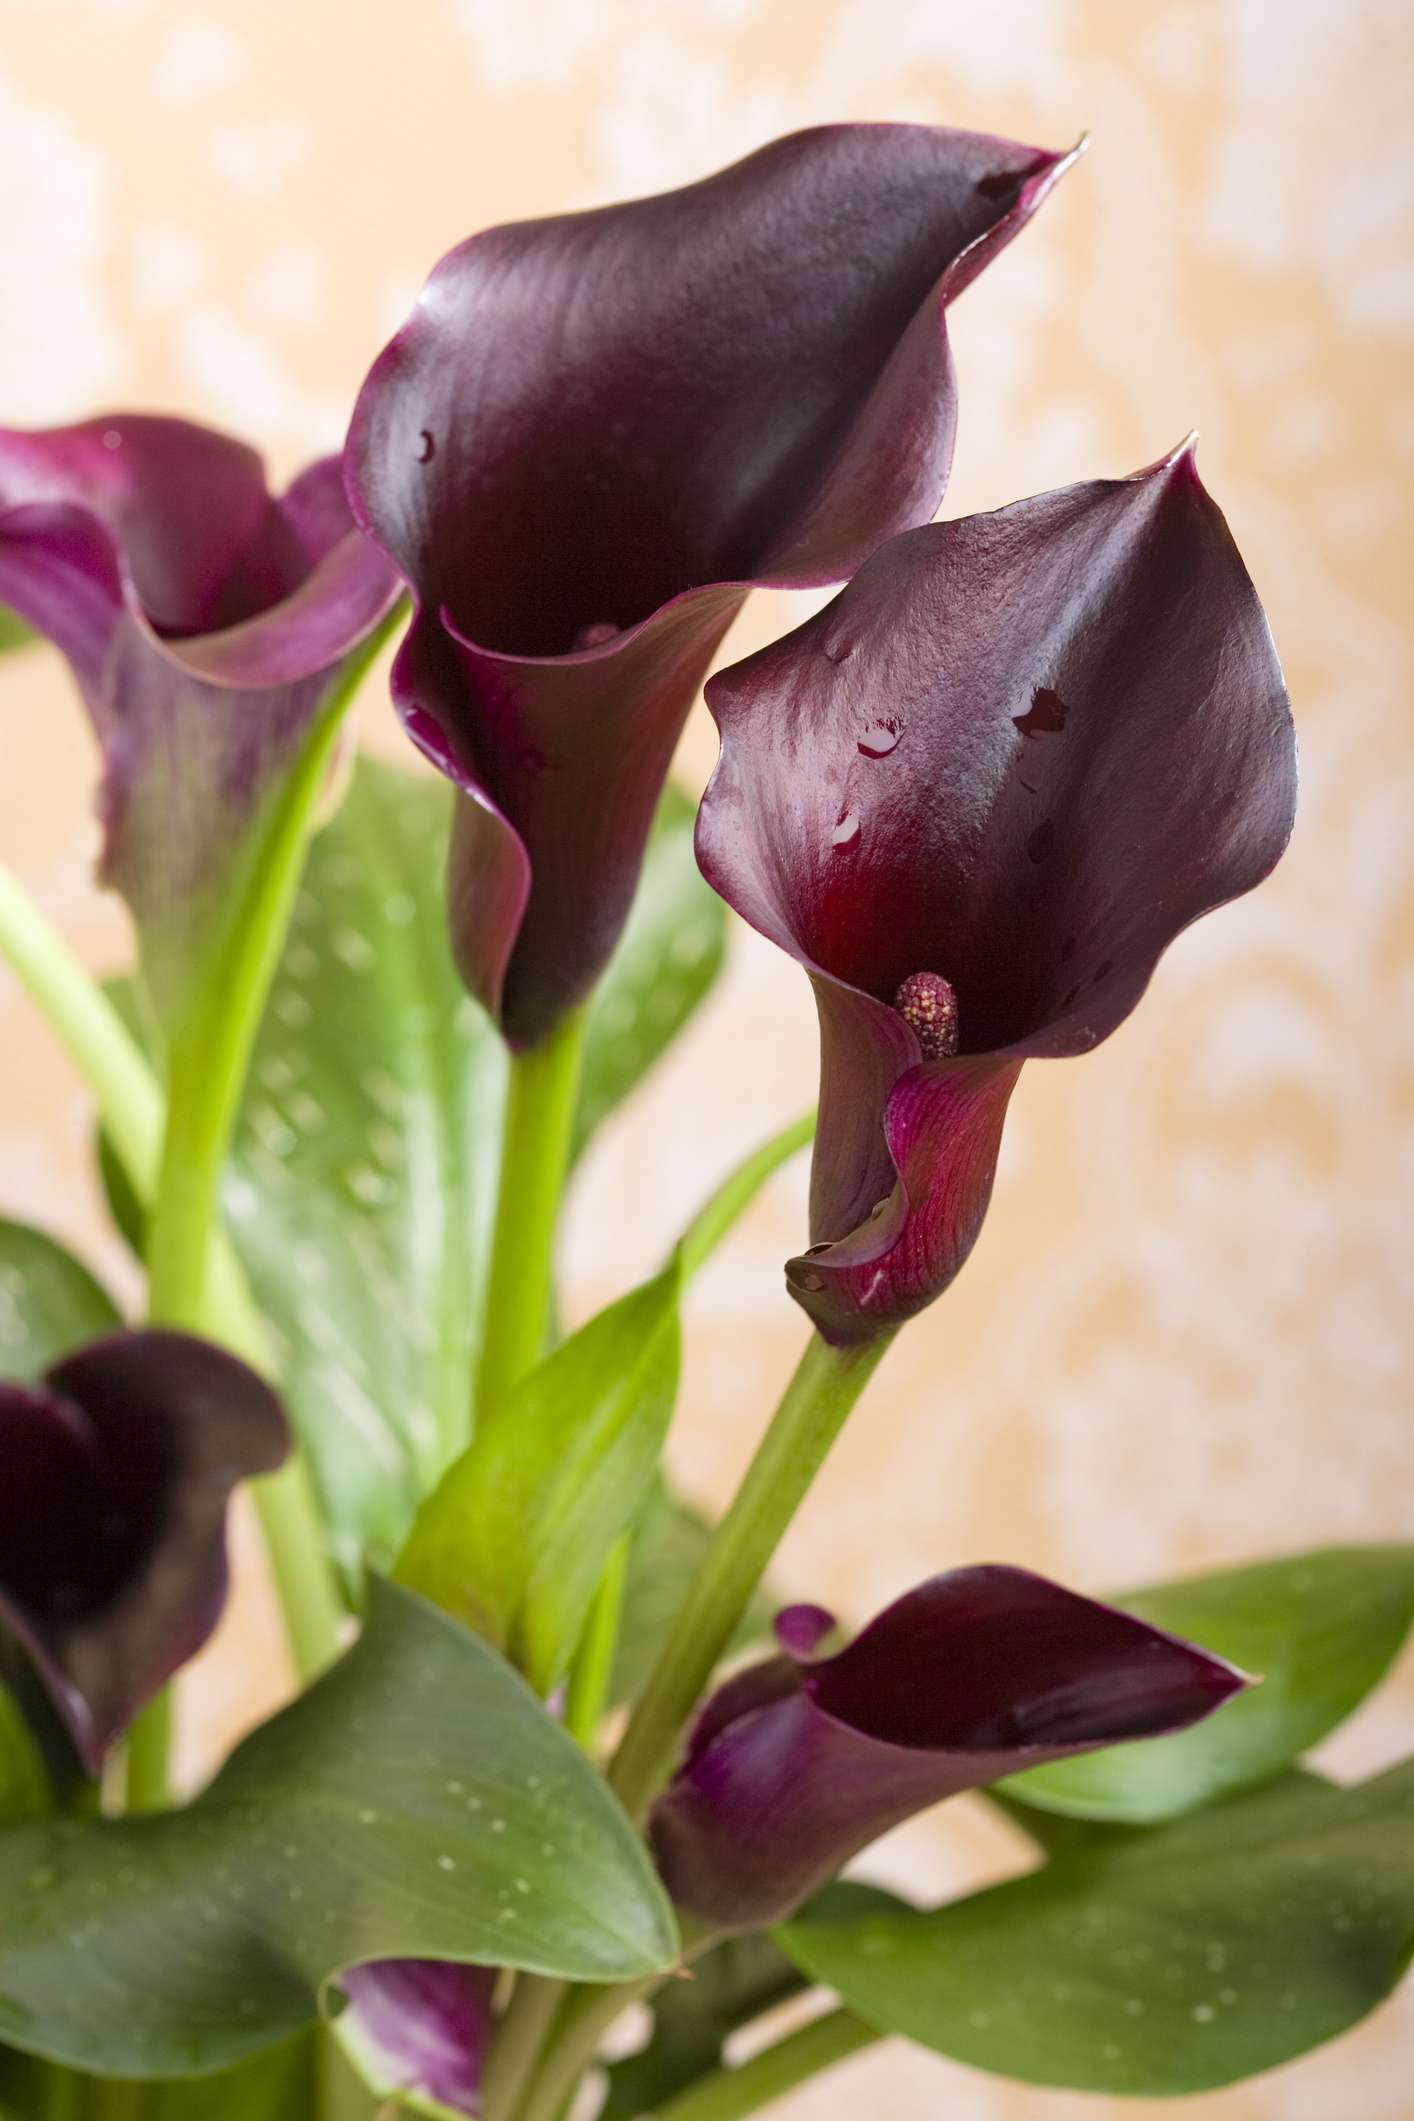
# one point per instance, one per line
(562, 1754)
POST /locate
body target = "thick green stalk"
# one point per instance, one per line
(814, 1409)
(708, 1228)
(537, 1999)
(535, 1156)
(730, 2094)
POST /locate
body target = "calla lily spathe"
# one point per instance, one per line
(798, 1763)
(205, 621)
(976, 797)
(596, 434)
(119, 1466)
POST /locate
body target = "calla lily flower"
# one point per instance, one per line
(205, 622)
(119, 1467)
(799, 1762)
(976, 798)
(423, 2024)
(596, 434)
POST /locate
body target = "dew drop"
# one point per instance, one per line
(837, 651)
(595, 634)
(811, 1282)
(1045, 716)
(879, 740)
(846, 832)
(1041, 841)
(112, 439)
(426, 448)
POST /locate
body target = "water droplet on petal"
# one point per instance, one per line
(1045, 716)
(1041, 841)
(112, 439)
(879, 740)
(811, 1282)
(846, 830)
(595, 635)
(837, 651)
(426, 447)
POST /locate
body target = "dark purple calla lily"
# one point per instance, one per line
(119, 1467)
(424, 2024)
(205, 622)
(976, 798)
(794, 1765)
(596, 434)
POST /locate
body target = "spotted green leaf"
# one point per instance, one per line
(418, 1802)
(1319, 1630)
(1152, 1962)
(49, 1303)
(362, 1183)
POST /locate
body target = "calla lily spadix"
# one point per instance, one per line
(976, 797)
(798, 1763)
(596, 434)
(119, 1466)
(205, 621)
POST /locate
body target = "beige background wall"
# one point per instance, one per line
(1187, 1332)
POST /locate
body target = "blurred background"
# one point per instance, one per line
(1186, 1335)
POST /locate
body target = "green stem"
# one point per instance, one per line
(816, 1404)
(90, 1029)
(147, 1750)
(593, 1666)
(130, 1108)
(209, 1049)
(535, 1154)
(574, 2042)
(729, 2094)
(515, 2051)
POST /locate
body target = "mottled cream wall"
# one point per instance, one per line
(1187, 1332)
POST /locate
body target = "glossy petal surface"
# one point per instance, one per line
(1020, 752)
(596, 433)
(794, 1765)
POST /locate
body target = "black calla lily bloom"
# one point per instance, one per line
(596, 434)
(119, 1466)
(976, 798)
(798, 1763)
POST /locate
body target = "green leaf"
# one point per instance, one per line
(516, 1537)
(360, 1193)
(668, 1548)
(281, 2086)
(670, 953)
(1152, 1963)
(692, 2021)
(1319, 1629)
(49, 1304)
(418, 1802)
(732, 1984)
(362, 1184)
